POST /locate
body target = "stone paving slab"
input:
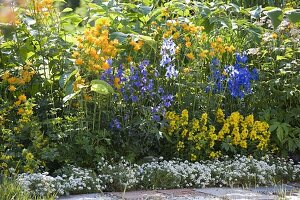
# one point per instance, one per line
(137, 195)
(294, 196)
(297, 185)
(289, 192)
(277, 189)
(236, 194)
(186, 194)
(94, 196)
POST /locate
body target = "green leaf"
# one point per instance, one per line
(74, 19)
(65, 78)
(145, 10)
(293, 15)
(280, 133)
(67, 10)
(278, 58)
(121, 37)
(101, 87)
(273, 127)
(292, 145)
(276, 16)
(70, 96)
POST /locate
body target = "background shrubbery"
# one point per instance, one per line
(187, 79)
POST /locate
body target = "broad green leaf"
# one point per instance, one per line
(145, 10)
(73, 17)
(94, 6)
(65, 78)
(119, 36)
(101, 87)
(276, 16)
(293, 15)
(67, 10)
(273, 127)
(280, 133)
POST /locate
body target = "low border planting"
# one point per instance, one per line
(162, 174)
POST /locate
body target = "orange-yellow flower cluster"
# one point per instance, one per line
(137, 45)
(24, 76)
(43, 6)
(95, 48)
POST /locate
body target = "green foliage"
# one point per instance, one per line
(11, 189)
(55, 110)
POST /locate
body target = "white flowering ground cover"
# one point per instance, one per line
(162, 174)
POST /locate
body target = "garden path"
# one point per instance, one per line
(290, 191)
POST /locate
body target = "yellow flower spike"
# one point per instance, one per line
(204, 118)
(180, 146)
(184, 117)
(243, 144)
(220, 116)
(212, 155)
(193, 157)
(249, 120)
(184, 133)
(196, 125)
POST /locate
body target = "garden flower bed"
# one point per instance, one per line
(88, 94)
(161, 174)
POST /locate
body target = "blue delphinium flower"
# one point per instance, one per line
(236, 78)
(168, 50)
(241, 58)
(115, 124)
(239, 82)
(167, 100)
(216, 77)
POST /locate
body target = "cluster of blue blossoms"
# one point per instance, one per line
(236, 78)
(138, 87)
